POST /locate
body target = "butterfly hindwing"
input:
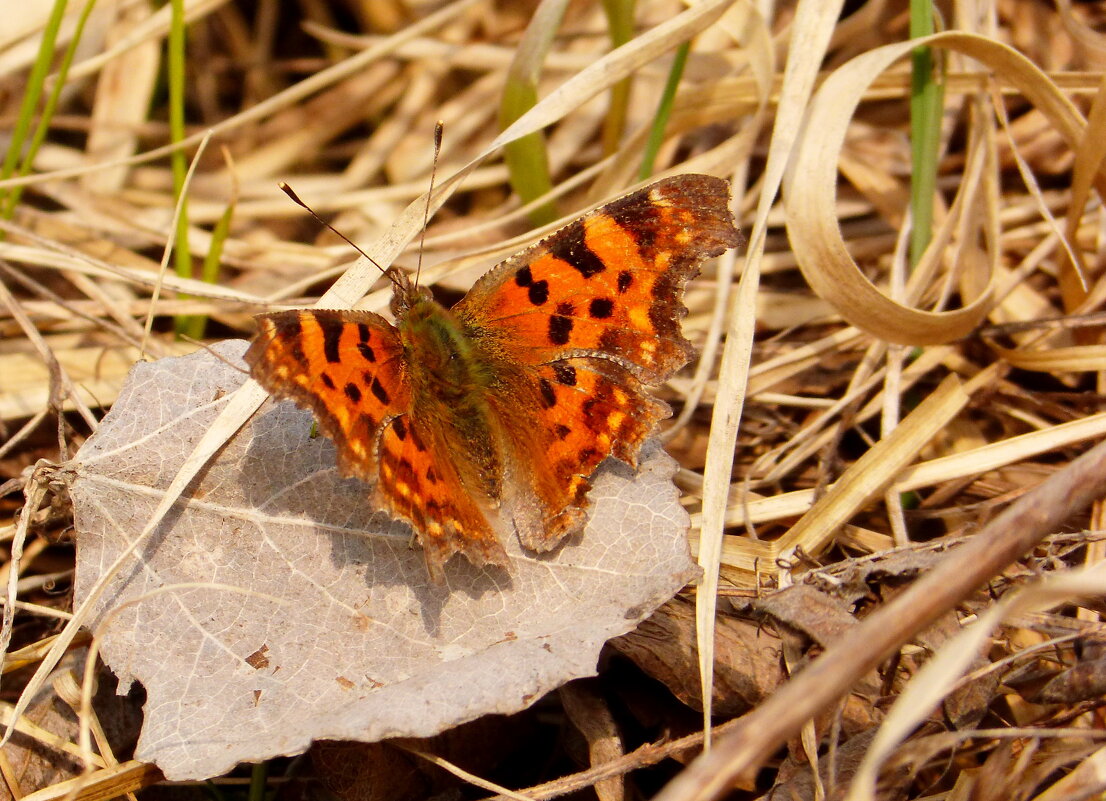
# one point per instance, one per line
(420, 483)
(591, 409)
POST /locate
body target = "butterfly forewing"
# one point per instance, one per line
(593, 312)
(610, 283)
(346, 367)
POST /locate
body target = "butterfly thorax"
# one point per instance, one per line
(442, 359)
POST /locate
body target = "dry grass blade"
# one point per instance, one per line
(873, 473)
(101, 785)
(813, 27)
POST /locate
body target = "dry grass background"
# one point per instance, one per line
(835, 443)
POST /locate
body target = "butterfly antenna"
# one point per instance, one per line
(429, 192)
(296, 199)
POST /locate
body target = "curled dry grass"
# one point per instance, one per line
(895, 403)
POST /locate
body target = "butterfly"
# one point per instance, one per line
(487, 419)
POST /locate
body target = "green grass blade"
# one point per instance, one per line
(926, 101)
(259, 778)
(527, 161)
(620, 23)
(664, 111)
(197, 323)
(182, 253)
(526, 158)
(43, 127)
(35, 83)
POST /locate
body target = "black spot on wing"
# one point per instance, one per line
(332, 335)
(566, 374)
(548, 396)
(353, 392)
(328, 381)
(560, 329)
(538, 292)
(601, 308)
(625, 280)
(400, 428)
(378, 390)
(367, 353)
(570, 247)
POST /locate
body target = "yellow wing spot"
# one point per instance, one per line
(648, 345)
(281, 371)
(620, 396)
(614, 420)
(387, 471)
(403, 489)
(434, 528)
(604, 439)
(683, 236)
(639, 317)
(357, 447)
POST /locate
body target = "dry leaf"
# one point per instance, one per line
(747, 665)
(319, 620)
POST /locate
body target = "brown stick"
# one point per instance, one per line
(998, 544)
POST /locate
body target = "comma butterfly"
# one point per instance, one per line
(490, 417)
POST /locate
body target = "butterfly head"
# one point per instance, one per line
(405, 295)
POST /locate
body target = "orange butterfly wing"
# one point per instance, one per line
(609, 284)
(594, 311)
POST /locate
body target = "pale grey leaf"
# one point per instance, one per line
(362, 645)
